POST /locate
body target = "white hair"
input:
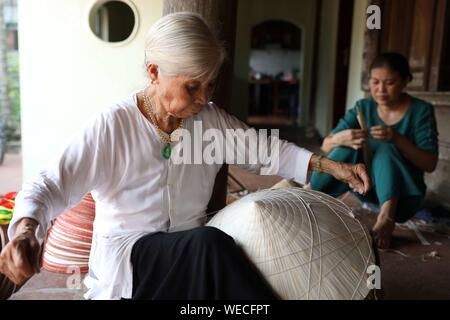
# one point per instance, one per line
(183, 43)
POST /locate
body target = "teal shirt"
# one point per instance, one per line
(418, 125)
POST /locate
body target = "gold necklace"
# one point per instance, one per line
(165, 137)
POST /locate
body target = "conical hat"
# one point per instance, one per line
(307, 244)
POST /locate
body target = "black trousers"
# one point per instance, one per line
(197, 264)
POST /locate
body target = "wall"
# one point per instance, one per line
(67, 74)
(252, 12)
(354, 91)
(326, 65)
(327, 54)
(438, 182)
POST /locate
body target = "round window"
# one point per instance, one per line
(113, 21)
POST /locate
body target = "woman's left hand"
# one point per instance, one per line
(383, 133)
(355, 175)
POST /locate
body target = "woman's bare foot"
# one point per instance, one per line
(382, 231)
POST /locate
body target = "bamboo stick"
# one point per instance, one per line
(367, 154)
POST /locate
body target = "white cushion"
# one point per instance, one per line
(307, 244)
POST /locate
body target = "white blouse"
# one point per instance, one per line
(117, 157)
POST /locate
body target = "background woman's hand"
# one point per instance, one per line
(355, 175)
(383, 133)
(19, 259)
(352, 138)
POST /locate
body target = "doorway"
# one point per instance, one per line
(275, 73)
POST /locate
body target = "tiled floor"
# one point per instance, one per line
(51, 286)
(11, 173)
(410, 270)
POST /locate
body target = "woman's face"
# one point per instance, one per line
(386, 86)
(182, 96)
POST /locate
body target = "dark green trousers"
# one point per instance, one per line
(391, 179)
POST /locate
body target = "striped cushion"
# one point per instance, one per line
(68, 243)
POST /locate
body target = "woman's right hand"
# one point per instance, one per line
(352, 138)
(19, 259)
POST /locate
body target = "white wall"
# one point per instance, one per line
(67, 74)
(327, 66)
(354, 91)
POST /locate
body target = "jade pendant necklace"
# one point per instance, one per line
(165, 137)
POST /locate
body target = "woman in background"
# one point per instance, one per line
(402, 138)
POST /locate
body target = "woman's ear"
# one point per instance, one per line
(153, 72)
(406, 82)
(410, 79)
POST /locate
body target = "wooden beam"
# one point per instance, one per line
(440, 61)
(221, 15)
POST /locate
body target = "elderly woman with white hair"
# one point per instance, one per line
(149, 238)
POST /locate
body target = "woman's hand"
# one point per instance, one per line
(352, 138)
(355, 175)
(19, 259)
(383, 133)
